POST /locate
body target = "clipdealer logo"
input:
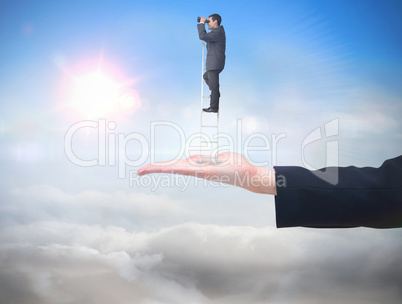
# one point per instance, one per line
(112, 146)
(331, 131)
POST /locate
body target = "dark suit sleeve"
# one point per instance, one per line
(369, 197)
(213, 35)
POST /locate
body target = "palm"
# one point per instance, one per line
(232, 168)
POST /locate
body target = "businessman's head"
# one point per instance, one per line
(214, 21)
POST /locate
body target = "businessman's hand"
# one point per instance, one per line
(233, 169)
(203, 19)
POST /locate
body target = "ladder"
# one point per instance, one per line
(202, 126)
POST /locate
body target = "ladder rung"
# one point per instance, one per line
(209, 126)
(205, 96)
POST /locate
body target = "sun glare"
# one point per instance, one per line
(95, 93)
(99, 92)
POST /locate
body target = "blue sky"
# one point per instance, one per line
(292, 67)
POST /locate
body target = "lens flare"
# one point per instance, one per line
(95, 94)
(98, 91)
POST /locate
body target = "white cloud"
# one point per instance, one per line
(44, 202)
(58, 247)
(175, 200)
(57, 262)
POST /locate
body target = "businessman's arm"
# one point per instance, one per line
(214, 35)
(369, 197)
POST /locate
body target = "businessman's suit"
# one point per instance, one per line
(370, 197)
(216, 47)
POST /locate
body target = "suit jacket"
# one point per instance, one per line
(370, 197)
(216, 46)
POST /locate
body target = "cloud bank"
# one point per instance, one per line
(46, 256)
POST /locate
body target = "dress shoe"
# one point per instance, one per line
(210, 110)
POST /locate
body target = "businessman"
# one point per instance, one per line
(368, 197)
(216, 47)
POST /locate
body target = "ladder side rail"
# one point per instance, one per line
(202, 93)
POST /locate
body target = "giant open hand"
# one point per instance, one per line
(232, 168)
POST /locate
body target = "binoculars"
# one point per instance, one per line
(199, 18)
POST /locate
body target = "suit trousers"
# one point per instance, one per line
(211, 78)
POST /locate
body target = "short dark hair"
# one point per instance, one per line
(216, 17)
